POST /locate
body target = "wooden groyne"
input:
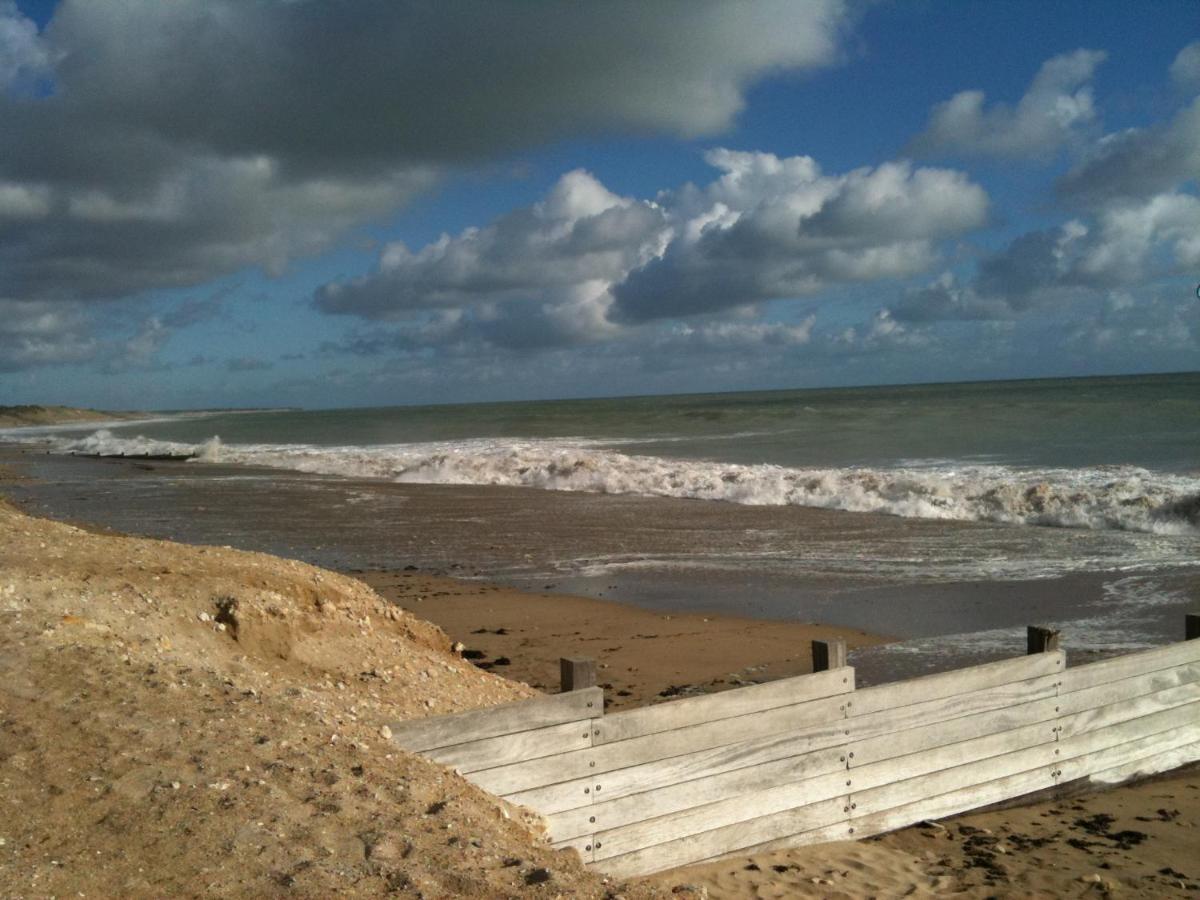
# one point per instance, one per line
(813, 758)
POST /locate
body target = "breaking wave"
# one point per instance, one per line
(1124, 498)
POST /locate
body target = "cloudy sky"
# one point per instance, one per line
(337, 202)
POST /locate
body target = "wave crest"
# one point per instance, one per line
(1120, 497)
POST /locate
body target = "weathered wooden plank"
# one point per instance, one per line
(778, 798)
(948, 708)
(956, 778)
(650, 804)
(725, 705)
(522, 776)
(949, 803)
(939, 733)
(948, 756)
(1148, 727)
(663, 773)
(477, 724)
(1112, 713)
(1143, 767)
(1127, 754)
(1105, 693)
(725, 840)
(1106, 670)
(958, 681)
(515, 748)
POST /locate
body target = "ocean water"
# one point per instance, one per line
(949, 515)
(1097, 453)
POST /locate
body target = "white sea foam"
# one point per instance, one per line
(1117, 497)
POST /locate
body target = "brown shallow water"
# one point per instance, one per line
(914, 579)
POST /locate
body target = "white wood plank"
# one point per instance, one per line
(687, 767)
(1106, 670)
(419, 735)
(522, 776)
(888, 722)
(778, 798)
(721, 841)
(1097, 717)
(1146, 727)
(727, 704)
(1127, 755)
(958, 681)
(931, 761)
(515, 748)
(684, 795)
(1143, 767)
(950, 803)
(955, 778)
(937, 734)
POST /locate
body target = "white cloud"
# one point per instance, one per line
(1057, 104)
(23, 54)
(584, 263)
(160, 152)
(1185, 70)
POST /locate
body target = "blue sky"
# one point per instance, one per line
(217, 203)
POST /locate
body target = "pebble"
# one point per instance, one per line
(385, 733)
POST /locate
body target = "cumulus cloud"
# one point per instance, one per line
(1185, 70)
(168, 143)
(36, 334)
(1138, 163)
(584, 264)
(775, 229)
(1056, 105)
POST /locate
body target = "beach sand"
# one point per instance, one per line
(643, 656)
(159, 740)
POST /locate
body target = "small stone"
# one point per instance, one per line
(385, 733)
(204, 617)
(538, 876)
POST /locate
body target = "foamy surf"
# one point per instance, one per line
(1125, 498)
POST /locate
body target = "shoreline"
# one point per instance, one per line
(643, 656)
(190, 730)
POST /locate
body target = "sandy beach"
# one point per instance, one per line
(190, 720)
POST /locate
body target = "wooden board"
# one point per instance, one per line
(921, 713)
(1162, 761)
(477, 724)
(1127, 753)
(686, 767)
(958, 681)
(770, 801)
(948, 780)
(684, 795)
(725, 705)
(513, 748)
(522, 776)
(1107, 670)
(721, 841)
(1099, 717)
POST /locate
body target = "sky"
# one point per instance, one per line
(331, 203)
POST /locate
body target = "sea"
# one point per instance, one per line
(939, 513)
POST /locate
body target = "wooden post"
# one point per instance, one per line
(1191, 627)
(828, 655)
(577, 673)
(1041, 640)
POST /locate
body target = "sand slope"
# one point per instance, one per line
(177, 721)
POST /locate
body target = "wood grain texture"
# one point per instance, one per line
(958, 681)
(477, 724)
(623, 754)
(686, 795)
(824, 739)
(1109, 714)
(512, 748)
(1107, 670)
(725, 705)
(722, 841)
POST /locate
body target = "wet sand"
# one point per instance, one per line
(862, 572)
(643, 656)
